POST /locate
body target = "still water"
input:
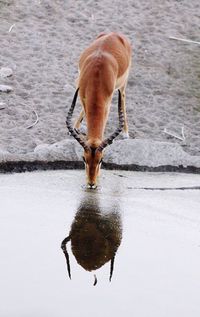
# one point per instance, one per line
(130, 248)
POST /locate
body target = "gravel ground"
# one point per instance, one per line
(41, 42)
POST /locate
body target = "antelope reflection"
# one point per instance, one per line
(95, 237)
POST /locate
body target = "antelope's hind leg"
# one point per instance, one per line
(125, 133)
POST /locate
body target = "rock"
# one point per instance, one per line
(5, 88)
(5, 72)
(66, 150)
(4, 155)
(2, 105)
(148, 153)
(41, 147)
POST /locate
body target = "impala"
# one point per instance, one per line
(103, 67)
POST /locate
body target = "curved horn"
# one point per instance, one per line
(112, 267)
(64, 248)
(109, 140)
(69, 123)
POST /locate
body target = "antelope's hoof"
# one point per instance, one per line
(125, 135)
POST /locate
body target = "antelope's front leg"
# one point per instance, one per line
(79, 120)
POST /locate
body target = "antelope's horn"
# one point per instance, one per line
(64, 248)
(109, 140)
(112, 268)
(69, 123)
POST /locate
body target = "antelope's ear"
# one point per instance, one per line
(64, 248)
(100, 35)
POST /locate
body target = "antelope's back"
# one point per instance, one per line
(113, 44)
(103, 62)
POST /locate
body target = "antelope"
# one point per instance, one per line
(103, 67)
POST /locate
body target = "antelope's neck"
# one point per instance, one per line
(97, 81)
(96, 116)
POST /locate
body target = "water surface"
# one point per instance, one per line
(152, 235)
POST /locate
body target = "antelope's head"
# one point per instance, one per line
(92, 158)
(93, 149)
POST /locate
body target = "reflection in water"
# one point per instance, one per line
(95, 236)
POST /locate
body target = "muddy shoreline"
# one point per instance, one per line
(27, 166)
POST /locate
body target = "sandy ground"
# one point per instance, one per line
(43, 47)
(157, 264)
